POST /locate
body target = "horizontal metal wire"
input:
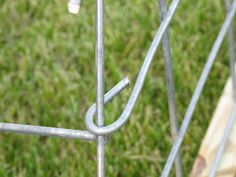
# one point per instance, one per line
(95, 130)
(46, 131)
(198, 91)
(223, 142)
(61, 132)
(91, 126)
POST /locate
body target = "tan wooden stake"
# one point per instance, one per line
(210, 144)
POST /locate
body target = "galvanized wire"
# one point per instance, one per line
(91, 126)
(46, 131)
(231, 51)
(170, 85)
(198, 91)
(100, 85)
(232, 117)
(61, 132)
(98, 132)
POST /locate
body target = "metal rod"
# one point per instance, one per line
(46, 131)
(170, 86)
(223, 142)
(110, 95)
(61, 132)
(100, 85)
(231, 120)
(198, 90)
(139, 82)
(231, 51)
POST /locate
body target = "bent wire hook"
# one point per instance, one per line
(105, 130)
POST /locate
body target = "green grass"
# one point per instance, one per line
(47, 77)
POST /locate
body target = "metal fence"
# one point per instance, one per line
(98, 132)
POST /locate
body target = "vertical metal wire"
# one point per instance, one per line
(198, 90)
(232, 118)
(100, 85)
(100, 132)
(139, 81)
(223, 142)
(170, 85)
(231, 50)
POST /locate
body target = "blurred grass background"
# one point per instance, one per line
(47, 77)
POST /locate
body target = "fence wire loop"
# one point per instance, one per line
(100, 134)
(138, 84)
(89, 116)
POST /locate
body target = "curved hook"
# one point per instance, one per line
(91, 126)
(108, 97)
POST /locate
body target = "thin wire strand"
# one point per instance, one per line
(138, 84)
(231, 120)
(231, 51)
(46, 131)
(61, 132)
(100, 85)
(100, 130)
(170, 86)
(198, 90)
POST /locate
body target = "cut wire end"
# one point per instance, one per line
(74, 6)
